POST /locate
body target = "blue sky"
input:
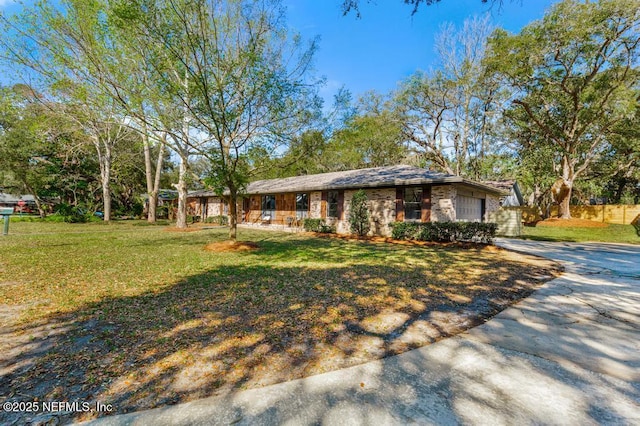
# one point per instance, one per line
(387, 44)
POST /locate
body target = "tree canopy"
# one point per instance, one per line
(574, 80)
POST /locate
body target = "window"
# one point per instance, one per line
(302, 206)
(412, 204)
(268, 207)
(332, 204)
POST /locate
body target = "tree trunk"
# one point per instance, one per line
(106, 196)
(154, 187)
(152, 208)
(564, 212)
(181, 221)
(105, 176)
(148, 171)
(30, 190)
(41, 211)
(233, 215)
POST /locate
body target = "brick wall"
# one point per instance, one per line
(382, 210)
(213, 207)
(315, 203)
(443, 203)
(492, 205)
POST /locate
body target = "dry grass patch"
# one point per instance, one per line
(144, 319)
(231, 246)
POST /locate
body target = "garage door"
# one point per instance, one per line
(469, 209)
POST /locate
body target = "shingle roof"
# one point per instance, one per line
(376, 177)
(6, 198)
(504, 185)
(360, 178)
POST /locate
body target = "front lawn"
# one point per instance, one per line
(611, 234)
(139, 317)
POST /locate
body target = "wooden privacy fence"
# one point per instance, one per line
(622, 214)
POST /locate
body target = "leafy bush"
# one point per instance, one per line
(71, 214)
(359, 214)
(405, 230)
(222, 220)
(317, 225)
(327, 229)
(445, 231)
(312, 225)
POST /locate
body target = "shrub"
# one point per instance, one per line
(327, 229)
(445, 231)
(312, 225)
(359, 214)
(317, 225)
(405, 230)
(222, 220)
(72, 214)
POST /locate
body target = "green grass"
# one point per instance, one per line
(140, 316)
(611, 234)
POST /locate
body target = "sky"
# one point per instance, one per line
(387, 44)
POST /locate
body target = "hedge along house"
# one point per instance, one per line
(396, 194)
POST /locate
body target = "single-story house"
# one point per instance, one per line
(395, 193)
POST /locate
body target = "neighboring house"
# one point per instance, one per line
(514, 199)
(395, 193)
(20, 203)
(167, 201)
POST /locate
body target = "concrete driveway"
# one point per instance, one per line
(569, 354)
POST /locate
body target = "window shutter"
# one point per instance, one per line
(399, 205)
(341, 205)
(323, 205)
(426, 204)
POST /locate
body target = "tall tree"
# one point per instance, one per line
(245, 84)
(52, 42)
(371, 137)
(449, 113)
(42, 152)
(573, 81)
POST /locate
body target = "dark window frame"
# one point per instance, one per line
(302, 205)
(332, 204)
(267, 201)
(413, 205)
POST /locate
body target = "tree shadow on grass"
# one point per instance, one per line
(246, 326)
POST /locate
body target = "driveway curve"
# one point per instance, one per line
(568, 354)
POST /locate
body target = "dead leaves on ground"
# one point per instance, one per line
(266, 316)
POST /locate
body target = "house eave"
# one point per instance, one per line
(388, 184)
